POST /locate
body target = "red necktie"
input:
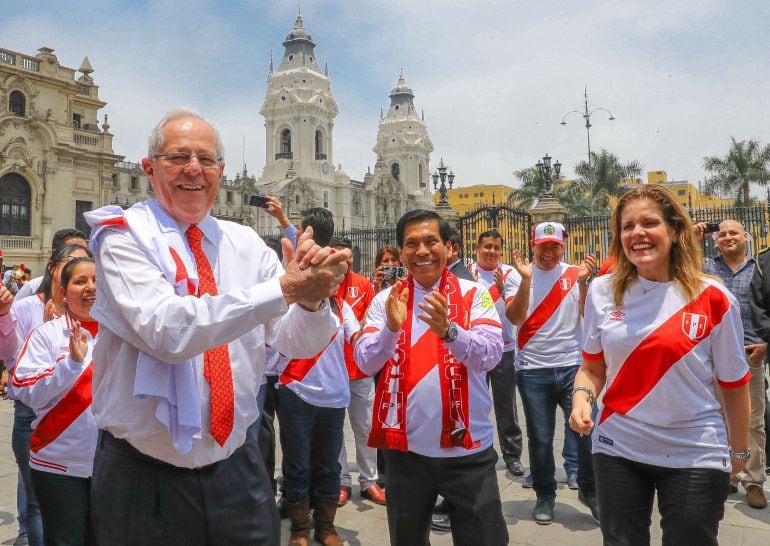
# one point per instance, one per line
(216, 361)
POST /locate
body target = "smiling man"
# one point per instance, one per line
(434, 337)
(186, 304)
(736, 269)
(546, 306)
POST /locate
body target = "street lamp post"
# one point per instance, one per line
(441, 174)
(586, 113)
(545, 170)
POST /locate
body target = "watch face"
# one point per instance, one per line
(325, 167)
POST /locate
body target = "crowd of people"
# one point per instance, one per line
(149, 365)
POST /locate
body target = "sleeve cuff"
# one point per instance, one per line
(735, 384)
(593, 356)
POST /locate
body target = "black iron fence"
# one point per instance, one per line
(514, 225)
(586, 233)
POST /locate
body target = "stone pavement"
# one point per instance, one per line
(362, 523)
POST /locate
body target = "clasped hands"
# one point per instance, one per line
(313, 273)
(435, 310)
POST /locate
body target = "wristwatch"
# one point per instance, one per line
(740, 455)
(451, 333)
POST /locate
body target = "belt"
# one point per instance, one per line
(123, 447)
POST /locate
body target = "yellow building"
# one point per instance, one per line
(468, 198)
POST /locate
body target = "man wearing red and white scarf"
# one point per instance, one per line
(434, 337)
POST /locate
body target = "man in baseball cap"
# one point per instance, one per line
(546, 307)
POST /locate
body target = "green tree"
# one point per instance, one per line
(746, 162)
(603, 179)
(532, 186)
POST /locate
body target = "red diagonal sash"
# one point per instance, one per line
(548, 306)
(663, 348)
(62, 415)
(298, 368)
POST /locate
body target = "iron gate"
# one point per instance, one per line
(514, 225)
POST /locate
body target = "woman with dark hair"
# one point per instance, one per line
(28, 314)
(660, 339)
(387, 256)
(53, 376)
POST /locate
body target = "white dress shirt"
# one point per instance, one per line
(138, 310)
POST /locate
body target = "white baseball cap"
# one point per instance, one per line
(549, 232)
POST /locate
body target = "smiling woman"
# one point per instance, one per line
(661, 338)
(53, 377)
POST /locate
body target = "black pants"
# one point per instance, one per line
(468, 483)
(691, 502)
(138, 500)
(65, 507)
(267, 429)
(502, 379)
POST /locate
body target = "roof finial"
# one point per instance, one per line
(271, 61)
(380, 112)
(298, 22)
(326, 67)
(423, 114)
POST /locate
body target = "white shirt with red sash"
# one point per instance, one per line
(512, 279)
(323, 379)
(550, 335)
(664, 356)
(416, 395)
(59, 390)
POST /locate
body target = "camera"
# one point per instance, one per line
(259, 201)
(712, 227)
(393, 273)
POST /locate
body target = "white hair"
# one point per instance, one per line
(155, 140)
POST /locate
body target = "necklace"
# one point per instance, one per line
(648, 285)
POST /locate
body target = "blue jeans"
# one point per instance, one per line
(20, 438)
(542, 391)
(312, 440)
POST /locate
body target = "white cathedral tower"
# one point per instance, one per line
(299, 112)
(403, 145)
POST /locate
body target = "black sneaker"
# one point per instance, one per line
(441, 523)
(590, 502)
(529, 482)
(543, 512)
(515, 467)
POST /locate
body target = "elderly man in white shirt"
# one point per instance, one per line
(186, 304)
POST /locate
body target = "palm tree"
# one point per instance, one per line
(746, 162)
(533, 185)
(603, 178)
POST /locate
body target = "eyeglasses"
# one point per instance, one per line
(181, 159)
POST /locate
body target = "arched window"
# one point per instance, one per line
(420, 176)
(15, 201)
(395, 171)
(17, 103)
(285, 147)
(318, 142)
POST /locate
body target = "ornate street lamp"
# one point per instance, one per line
(441, 174)
(586, 114)
(545, 170)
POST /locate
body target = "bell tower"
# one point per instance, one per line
(299, 112)
(403, 146)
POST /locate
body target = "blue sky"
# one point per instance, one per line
(494, 77)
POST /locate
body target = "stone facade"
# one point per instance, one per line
(55, 160)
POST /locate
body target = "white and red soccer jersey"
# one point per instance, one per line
(356, 291)
(663, 358)
(479, 349)
(58, 389)
(512, 280)
(323, 379)
(550, 335)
